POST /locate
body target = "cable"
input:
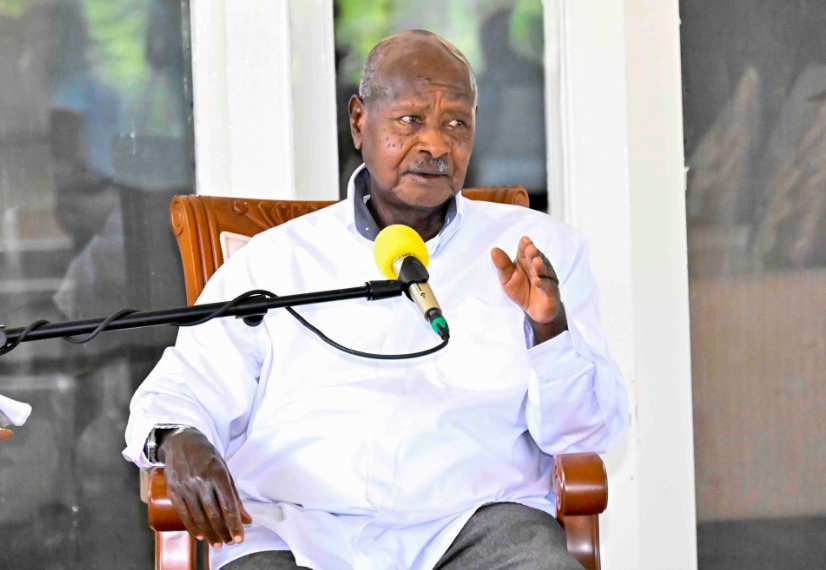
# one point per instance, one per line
(221, 311)
(334, 344)
(23, 335)
(100, 328)
(328, 340)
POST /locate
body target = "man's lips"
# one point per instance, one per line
(428, 179)
(427, 174)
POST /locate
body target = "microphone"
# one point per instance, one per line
(401, 254)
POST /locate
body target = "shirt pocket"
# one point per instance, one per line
(487, 347)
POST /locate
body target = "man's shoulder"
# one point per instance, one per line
(296, 232)
(329, 217)
(511, 218)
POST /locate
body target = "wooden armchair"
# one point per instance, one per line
(580, 481)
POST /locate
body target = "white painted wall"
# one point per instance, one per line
(623, 186)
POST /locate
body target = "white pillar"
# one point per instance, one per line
(315, 132)
(264, 94)
(657, 175)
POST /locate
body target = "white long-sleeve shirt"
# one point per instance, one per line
(374, 465)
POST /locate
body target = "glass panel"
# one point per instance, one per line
(755, 117)
(503, 39)
(95, 139)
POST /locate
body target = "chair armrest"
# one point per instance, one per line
(580, 484)
(162, 515)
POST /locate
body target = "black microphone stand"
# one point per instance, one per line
(251, 309)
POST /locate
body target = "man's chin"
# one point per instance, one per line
(425, 192)
(424, 200)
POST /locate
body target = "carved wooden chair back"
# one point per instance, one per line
(199, 221)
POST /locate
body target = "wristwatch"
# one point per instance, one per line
(152, 443)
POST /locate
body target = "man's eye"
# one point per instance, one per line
(457, 123)
(409, 119)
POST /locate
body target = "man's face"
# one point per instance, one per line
(416, 132)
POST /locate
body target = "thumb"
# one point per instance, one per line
(503, 264)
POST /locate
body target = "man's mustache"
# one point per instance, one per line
(430, 166)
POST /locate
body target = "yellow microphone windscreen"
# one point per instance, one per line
(395, 241)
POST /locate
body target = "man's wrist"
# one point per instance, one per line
(168, 435)
(156, 438)
(547, 331)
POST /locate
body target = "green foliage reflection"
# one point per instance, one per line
(360, 24)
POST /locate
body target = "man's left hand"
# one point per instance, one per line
(531, 282)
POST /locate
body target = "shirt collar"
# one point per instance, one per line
(360, 220)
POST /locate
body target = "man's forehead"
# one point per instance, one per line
(416, 66)
(409, 86)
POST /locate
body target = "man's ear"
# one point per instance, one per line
(357, 112)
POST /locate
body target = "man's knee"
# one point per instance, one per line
(265, 560)
(510, 535)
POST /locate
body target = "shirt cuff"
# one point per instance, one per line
(142, 424)
(555, 358)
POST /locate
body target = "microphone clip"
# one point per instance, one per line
(412, 275)
(412, 271)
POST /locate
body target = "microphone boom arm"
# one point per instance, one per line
(251, 309)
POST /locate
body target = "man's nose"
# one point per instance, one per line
(434, 141)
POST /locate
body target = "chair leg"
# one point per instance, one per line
(175, 551)
(582, 533)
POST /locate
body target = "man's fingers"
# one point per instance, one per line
(215, 516)
(539, 263)
(200, 523)
(180, 507)
(522, 249)
(228, 499)
(503, 264)
(549, 267)
(540, 269)
(246, 518)
(530, 253)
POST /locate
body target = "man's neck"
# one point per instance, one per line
(427, 224)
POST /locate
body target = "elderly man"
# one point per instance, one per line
(284, 453)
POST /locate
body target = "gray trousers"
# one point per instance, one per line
(502, 536)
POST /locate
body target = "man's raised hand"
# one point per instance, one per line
(201, 489)
(531, 282)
